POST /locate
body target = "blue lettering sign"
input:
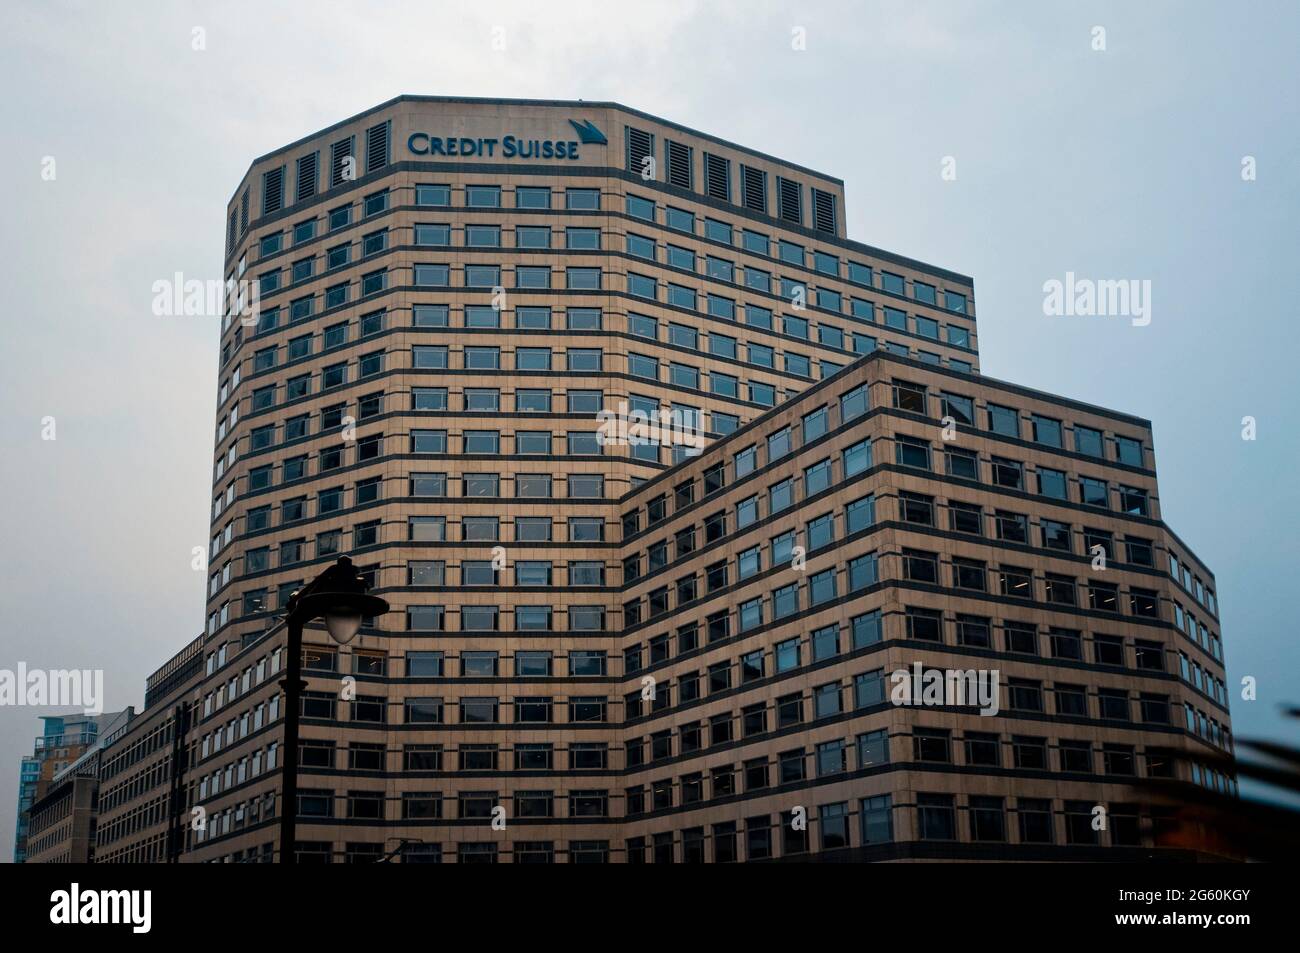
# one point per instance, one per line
(512, 147)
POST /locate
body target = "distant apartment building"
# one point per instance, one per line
(665, 478)
(29, 775)
(63, 820)
(63, 739)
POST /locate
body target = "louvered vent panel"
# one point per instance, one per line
(679, 165)
(307, 176)
(790, 198)
(339, 153)
(272, 190)
(823, 210)
(717, 171)
(640, 144)
(754, 183)
(377, 147)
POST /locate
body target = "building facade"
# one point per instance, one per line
(142, 802)
(62, 827)
(663, 477)
(29, 775)
(62, 741)
(63, 821)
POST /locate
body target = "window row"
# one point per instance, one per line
(787, 252)
(468, 663)
(793, 291)
(1010, 422)
(1182, 573)
(425, 195)
(1013, 475)
(971, 519)
(774, 447)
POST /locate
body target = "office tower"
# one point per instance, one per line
(664, 477)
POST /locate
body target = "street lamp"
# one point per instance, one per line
(339, 596)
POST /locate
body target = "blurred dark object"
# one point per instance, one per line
(1226, 826)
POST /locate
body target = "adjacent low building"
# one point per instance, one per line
(142, 794)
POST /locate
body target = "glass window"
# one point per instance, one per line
(482, 358)
(582, 279)
(585, 200)
(1093, 492)
(1128, 451)
(483, 236)
(680, 219)
(1051, 483)
(639, 207)
(532, 197)
(482, 316)
(433, 195)
(532, 236)
(533, 318)
(429, 315)
(1004, 420)
(1045, 430)
(1088, 441)
(431, 275)
(815, 424)
(483, 196)
(641, 247)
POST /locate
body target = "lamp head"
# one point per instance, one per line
(339, 596)
(342, 622)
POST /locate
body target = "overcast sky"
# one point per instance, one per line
(1122, 163)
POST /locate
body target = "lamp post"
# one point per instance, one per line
(339, 596)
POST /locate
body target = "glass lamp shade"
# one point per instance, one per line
(343, 624)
